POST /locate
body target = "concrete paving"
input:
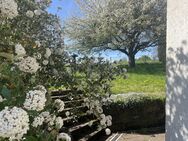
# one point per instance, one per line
(136, 137)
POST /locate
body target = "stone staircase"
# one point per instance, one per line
(81, 126)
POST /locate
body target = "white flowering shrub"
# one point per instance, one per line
(32, 60)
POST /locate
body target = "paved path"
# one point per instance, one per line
(136, 137)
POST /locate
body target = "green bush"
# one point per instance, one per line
(135, 111)
(144, 58)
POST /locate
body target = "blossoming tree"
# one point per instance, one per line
(127, 26)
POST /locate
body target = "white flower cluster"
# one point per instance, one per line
(35, 99)
(67, 113)
(29, 14)
(37, 12)
(63, 137)
(55, 122)
(46, 115)
(94, 106)
(43, 117)
(20, 50)
(58, 122)
(14, 123)
(51, 120)
(59, 50)
(38, 44)
(1, 99)
(105, 121)
(107, 131)
(37, 55)
(45, 62)
(8, 9)
(28, 65)
(38, 121)
(48, 53)
(59, 104)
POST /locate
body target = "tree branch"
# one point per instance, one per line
(145, 45)
(119, 49)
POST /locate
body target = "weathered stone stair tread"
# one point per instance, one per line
(73, 108)
(65, 92)
(73, 101)
(92, 134)
(78, 125)
(58, 96)
(72, 117)
(68, 97)
(81, 125)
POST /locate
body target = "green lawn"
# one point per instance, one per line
(146, 78)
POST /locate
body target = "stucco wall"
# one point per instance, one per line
(177, 71)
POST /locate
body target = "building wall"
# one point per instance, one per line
(177, 71)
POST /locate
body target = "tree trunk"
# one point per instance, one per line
(131, 60)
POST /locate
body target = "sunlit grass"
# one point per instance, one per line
(145, 78)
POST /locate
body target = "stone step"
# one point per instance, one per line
(74, 108)
(91, 135)
(82, 125)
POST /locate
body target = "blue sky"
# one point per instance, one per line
(69, 8)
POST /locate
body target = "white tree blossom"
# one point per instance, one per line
(128, 26)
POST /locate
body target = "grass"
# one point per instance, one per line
(145, 78)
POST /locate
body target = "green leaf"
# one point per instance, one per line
(6, 93)
(31, 138)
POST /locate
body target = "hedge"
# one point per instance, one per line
(135, 111)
